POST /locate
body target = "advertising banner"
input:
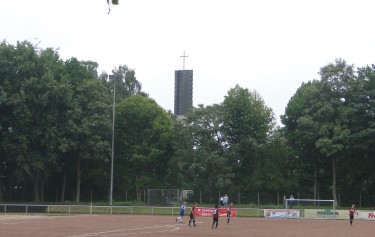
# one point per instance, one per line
(366, 215)
(325, 214)
(208, 212)
(281, 213)
(337, 214)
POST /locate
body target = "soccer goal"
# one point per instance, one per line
(186, 195)
(309, 203)
(163, 197)
(314, 208)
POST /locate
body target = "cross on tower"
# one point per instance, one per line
(183, 67)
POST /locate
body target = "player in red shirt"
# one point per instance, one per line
(352, 211)
(192, 214)
(215, 215)
(229, 212)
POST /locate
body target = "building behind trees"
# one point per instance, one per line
(183, 92)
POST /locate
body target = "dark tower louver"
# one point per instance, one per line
(183, 91)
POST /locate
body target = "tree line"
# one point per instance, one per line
(56, 131)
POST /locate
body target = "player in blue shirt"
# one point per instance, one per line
(182, 212)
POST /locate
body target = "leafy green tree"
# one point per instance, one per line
(30, 82)
(125, 82)
(178, 174)
(209, 167)
(275, 168)
(88, 122)
(301, 130)
(316, 117)
(333, 133)
(357, 170)
(7, 72)
(247, 125)
(56, 119)
(143, 133)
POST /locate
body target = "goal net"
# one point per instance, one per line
(313, 208)
(163, 197)
(186, 195)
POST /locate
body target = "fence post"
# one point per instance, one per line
(219, 196)
(200, 196)
(278, 197)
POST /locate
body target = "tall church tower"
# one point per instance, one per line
(183, 90)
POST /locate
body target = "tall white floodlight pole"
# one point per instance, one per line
(112, 77)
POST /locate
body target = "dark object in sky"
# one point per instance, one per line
(114, 2)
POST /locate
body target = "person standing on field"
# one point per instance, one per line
(182, 212)
(215, 215)
(291, 201)
(229, 212)
(352, 211)
(192, 214)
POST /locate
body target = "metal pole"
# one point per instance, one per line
(113, 137)
(239, 198)
(200, 196)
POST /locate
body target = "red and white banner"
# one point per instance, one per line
(208, 212)
(366, 215)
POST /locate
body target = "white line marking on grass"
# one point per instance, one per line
(116, 232)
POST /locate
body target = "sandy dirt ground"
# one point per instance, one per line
(166, 226)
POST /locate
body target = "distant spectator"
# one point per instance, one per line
(226, 200)
(221, 201)
(291, 201)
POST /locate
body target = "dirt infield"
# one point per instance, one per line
(165, 226)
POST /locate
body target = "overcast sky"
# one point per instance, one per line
(270, 46)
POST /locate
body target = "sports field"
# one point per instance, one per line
(165, 226)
